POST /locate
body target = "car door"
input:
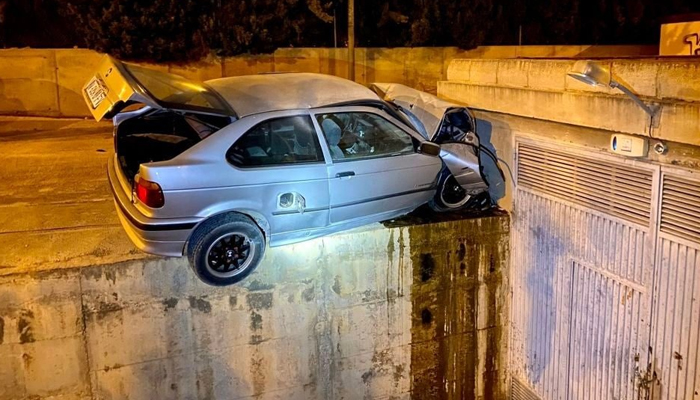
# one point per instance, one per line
(376, 170)
(283, 174)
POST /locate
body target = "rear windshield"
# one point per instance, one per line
(174, 91)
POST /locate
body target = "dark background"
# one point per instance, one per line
(181, 30)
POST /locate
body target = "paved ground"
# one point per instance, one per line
(55, 207)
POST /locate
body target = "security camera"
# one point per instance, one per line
(660, 148)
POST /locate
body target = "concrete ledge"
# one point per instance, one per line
(678, 121)
(417, 310)
(28, 83)
(653, 78)
(541, 89)
(546, 51)
(572, 108)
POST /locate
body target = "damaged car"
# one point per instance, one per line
(217, 171)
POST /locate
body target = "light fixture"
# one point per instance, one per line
(594, 74)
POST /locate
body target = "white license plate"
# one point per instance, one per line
(96, 91)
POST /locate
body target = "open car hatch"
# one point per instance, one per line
(111, 89)
(116, 85)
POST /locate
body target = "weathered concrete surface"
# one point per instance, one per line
(541, 89)
(416, 308)
(407, 311)
(48, 82)
(28, 82)
(563, 51)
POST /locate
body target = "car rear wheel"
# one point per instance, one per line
(226, 249)
(450, 195)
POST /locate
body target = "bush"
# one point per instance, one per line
(164, 30)
(183, 30)
(468, 24)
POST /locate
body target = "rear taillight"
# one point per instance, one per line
(149, 193)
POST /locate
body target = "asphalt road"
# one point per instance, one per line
(56, 210)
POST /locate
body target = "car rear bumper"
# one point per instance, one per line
(165, 237)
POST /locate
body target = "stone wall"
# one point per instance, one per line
(409, 310)
(46, 82)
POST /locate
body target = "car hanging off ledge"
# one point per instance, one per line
(217, 171)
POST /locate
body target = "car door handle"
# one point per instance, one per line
(345, 174)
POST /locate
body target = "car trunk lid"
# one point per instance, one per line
(116, 85)
(111, 89)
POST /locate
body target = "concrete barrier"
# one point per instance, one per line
(563, 51)
(411, 310)
(28, 82)
(541, 89)
(48, 82)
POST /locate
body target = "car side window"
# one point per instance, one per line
(278, 141)
(358, 135)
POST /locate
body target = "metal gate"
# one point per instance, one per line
(591, 319)
(676, 313)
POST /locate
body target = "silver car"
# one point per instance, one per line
(219, 170)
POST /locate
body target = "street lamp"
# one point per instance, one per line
(594, 74)
(351, 40)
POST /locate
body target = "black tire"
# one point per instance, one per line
(226, 249)
(449, 195)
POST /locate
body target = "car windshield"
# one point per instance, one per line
(174, 91)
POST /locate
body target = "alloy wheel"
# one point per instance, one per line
(230, 255)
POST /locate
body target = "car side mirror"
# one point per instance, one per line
(430, 148)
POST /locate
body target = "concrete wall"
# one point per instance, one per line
(541, 89)
(48, 82)
(412, 310)
(568, 51)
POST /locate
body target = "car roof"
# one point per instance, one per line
(254, 94)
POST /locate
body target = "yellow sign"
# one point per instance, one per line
(680, 39)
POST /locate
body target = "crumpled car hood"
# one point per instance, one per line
(427, 110)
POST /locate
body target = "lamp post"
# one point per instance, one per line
(594, 74)
(351, 40)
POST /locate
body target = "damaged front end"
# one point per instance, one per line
(463, 162)
(450, 125)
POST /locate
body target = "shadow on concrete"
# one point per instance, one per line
(424, 215)
(493, 172)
